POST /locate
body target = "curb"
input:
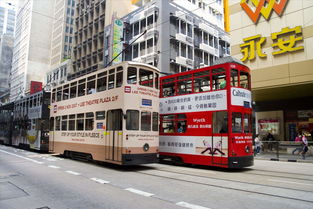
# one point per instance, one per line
(286, 160)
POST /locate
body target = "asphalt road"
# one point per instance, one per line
(32, 180)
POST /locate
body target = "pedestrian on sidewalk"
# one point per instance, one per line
(305, 146)
(257, 145)
(270, 140)
(298, 140)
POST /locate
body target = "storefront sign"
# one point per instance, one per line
(117, 47)
(305, 113)
(268, 126)
(283, 42)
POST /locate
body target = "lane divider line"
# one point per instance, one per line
(101, 181)
(25, 158)
(53, 166)
(146, 194)
(289, 182)
(73, 173)
(191, 206)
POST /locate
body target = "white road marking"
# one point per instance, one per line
(188, 205)
(73, 173)
(289, 182)
(101, 181)
(53, 166)
(146, 194)
(25, 158)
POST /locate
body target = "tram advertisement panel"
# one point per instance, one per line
(209, 101)
(199, 145)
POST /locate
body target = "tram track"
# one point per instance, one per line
(260, 189)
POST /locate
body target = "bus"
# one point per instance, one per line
(110, 115)
(31, 122)
(205, 116)
(6, 121)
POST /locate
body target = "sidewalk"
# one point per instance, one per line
(283, 157)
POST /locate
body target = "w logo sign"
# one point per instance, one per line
(263, 7)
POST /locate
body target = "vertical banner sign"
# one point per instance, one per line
(117, 47)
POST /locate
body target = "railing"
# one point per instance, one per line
(283, 150)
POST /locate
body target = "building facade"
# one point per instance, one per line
(63, 30)
(275, 40)
(32, 42)
(7, 21)
(91, 17)
(175, 36)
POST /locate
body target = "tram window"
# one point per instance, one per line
(202, 84)
(52, 124)
(66, 93)
(119, 78)
(73, 90)
(71, 123)
(132, 120)
(89, 121)
(184, 87)
(40, 100)
(132, 75)
(145, 77)
(100, 115)
(101, 84)
(168, 89)
(181, 123)
(247, 123)
(155, 121)
(31, 102)
(57, 123)
(91, 87)
(53, 95)
(82, 89)
(236, 122)
(156, 81)
(168, 123)
(64, 123)
(244, 80)
(59, 94)
(146, 121)
(234, 77)
(111, 81)
(218, 81)
(80, 122)
(220, 122)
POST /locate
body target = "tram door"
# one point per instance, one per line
(114, 136)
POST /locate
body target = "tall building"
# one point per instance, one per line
(7, 21)
(91, 17)
(31, 54)
(180, 35)
(276, 43)
(63, 30)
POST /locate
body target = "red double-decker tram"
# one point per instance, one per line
(206, 116)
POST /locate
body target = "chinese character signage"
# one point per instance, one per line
(208, 101)
(117, 47)
(35, 86)
(287, 40)
(263, 8)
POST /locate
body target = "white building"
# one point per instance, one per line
(31, 54)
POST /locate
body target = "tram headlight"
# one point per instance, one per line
(146, 147)
(247, 148)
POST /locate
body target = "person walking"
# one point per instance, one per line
(305, 146)
(299, 147)
(257, 145)
(270, 139)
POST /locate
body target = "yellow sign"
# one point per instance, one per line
(253, 43)
(284, 41)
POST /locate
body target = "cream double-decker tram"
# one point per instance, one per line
(110, 115)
